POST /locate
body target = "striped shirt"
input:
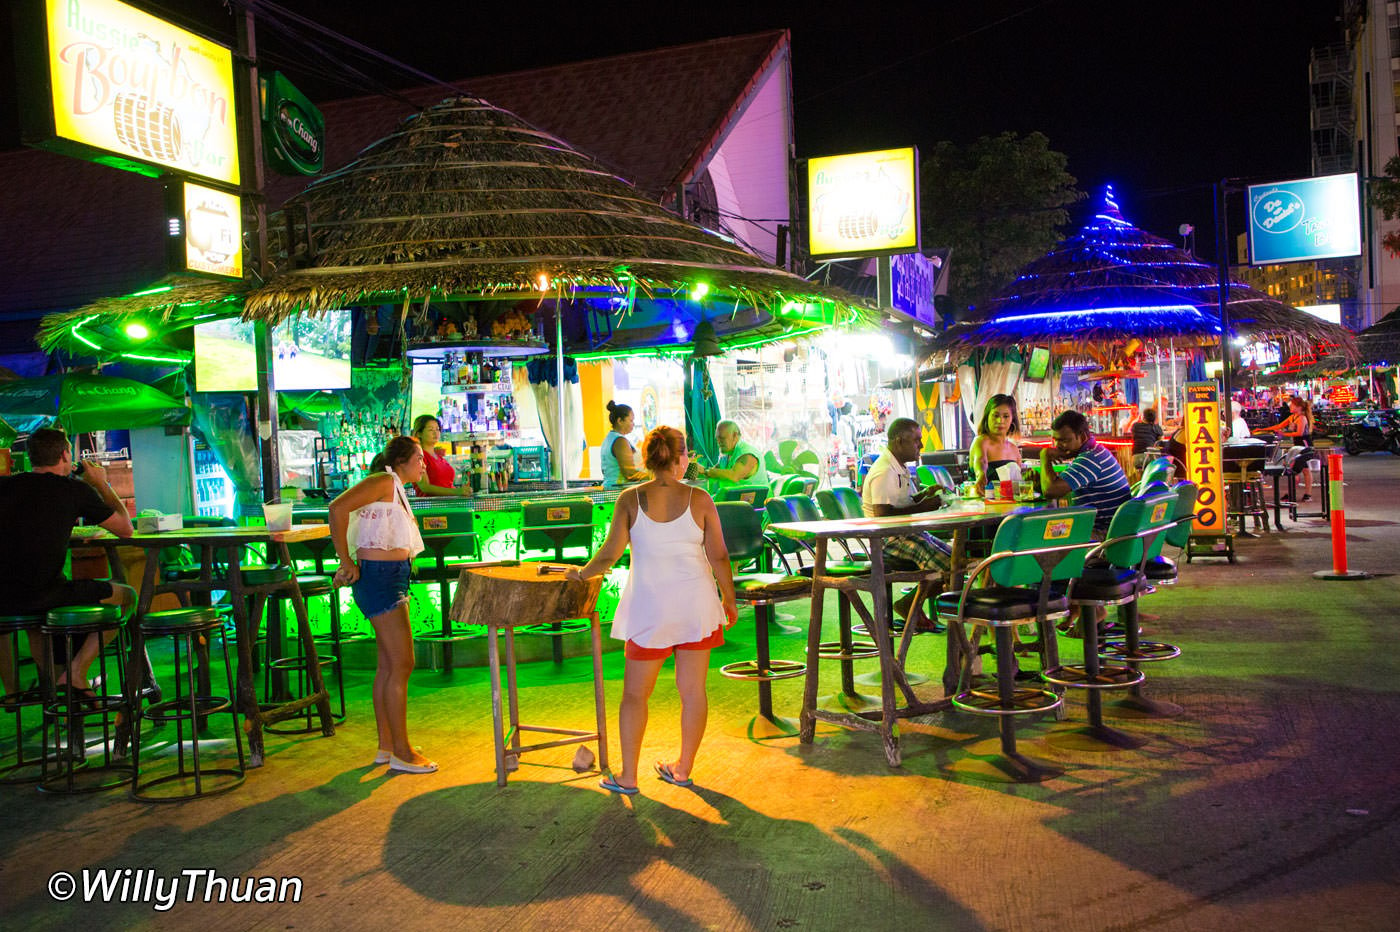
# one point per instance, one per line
(1097, 481)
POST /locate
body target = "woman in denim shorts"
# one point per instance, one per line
(372, 521)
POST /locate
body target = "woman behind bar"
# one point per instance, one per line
(438, 475)
(994, 447)
(372, 519)
(670, 604)
(1299, 427)
(619, 458)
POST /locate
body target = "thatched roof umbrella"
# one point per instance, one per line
(173, 303)
(468, 201)
(1112, 283)
(1379, 344)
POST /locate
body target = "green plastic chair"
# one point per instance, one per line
(1158, 470)
(744, 538)
(1135, 536)
(935, 476)
(1032, 552)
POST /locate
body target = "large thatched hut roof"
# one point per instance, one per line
(1112, 282)
(466, 200)
(1379, 344)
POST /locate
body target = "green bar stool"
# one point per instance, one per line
(1032, 552)
(1115, 579)
(66, 767)
(20, 764)
(191, 631)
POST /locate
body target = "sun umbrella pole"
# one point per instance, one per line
(1222, 238)
(559, 386)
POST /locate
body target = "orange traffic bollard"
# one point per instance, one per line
(1339, 525)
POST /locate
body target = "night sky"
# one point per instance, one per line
(1158, 99)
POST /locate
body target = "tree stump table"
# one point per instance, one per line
(506, 597)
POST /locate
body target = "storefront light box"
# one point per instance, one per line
(1305, 219)
(206, 227)
(864, 204)
(111, 84)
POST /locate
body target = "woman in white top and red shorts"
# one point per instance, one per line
(678, 600)
(372, 520)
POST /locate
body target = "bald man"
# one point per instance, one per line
(739, 462)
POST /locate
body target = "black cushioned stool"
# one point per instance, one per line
(18, 765)
(65, 767)
(190, 630)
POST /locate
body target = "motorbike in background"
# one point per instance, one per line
(1374, 432)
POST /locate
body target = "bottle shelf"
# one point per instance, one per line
(436, 351)
(466, 437)
(477, 388)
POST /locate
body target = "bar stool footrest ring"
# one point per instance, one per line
(751, 671)
(1024, 701)
(1147, 651)
(1107, 677)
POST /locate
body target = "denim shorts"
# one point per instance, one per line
(382, 586)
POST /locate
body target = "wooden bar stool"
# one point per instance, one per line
(190, 631)
(18, 764)
(65, 767)
(286, 673)
(505, 597)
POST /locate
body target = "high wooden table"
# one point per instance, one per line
(215, 545)
(958, 519)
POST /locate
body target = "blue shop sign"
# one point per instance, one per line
(1303, 220)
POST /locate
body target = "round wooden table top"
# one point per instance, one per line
(522, 594)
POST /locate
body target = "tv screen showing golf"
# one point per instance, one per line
(307, 353)
(1038, 365)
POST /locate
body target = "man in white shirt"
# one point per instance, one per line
(889, 490)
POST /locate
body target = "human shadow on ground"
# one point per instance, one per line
(477, 846)
(233, 845)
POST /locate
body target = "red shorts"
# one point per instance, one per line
(634, 651)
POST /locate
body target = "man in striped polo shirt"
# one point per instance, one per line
(1093, 477)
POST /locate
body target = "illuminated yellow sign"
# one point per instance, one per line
(126, 82)
(213, 231)
(1201, 432)
(864, 204)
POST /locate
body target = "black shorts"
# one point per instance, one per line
(63, 592)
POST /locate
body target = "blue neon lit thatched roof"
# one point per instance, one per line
(1112, 281)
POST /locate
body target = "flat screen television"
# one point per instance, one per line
(309, 353)
(1038, 366)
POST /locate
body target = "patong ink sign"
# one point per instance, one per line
(126, 82)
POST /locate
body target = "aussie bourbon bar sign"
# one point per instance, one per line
(109, 83)
(1200, 432)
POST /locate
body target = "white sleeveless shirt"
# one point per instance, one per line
(386, 525)
(671, 596)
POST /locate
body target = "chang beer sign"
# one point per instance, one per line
(1201, 434)
(111, 84)
(294, 132)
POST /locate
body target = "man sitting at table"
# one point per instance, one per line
(1094, 476)
(889, 490)
(739, 461)
(38, 511)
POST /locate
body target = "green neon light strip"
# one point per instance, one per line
(161, 290)
(174, 361)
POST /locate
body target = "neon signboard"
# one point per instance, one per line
(212, 223)
(864, 204)
(123, 88)
(1303, 220)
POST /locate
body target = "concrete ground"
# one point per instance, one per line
(1270, 802)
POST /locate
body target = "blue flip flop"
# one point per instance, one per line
(664, 772)
(612, 786)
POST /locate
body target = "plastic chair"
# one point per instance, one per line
(1135, 536)
(1158, 470)
(744, 538)
(1031, 551)
(558, 525)
(935, 476)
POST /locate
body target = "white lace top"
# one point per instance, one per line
(386, 525)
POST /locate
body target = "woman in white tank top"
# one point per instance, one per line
(372, 521)
(678, 600)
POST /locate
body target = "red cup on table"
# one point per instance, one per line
(1007, 490)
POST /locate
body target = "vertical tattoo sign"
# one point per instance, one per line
(1201, 433)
